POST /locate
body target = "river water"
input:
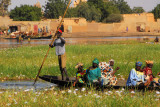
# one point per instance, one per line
(11, 43)
(25, 85)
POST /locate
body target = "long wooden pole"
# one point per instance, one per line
(51, 43)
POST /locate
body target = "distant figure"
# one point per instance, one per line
(29, 39)
(0, 32)
(9, 31)
(39, 30)
(127, 29)
(46, 29)
(156, 40)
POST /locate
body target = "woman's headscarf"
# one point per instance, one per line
(96, 61)
(138, 63)
(78, 65)
(149, 62)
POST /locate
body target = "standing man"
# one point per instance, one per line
(59, 44)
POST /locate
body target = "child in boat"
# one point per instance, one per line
(149, 75)
(107, 72)
(136, 76)
(93, 74)
(80, 74)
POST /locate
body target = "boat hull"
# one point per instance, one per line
(121, 83)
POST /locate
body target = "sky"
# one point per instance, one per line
(147, 5)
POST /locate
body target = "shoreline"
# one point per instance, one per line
(109, 34)
(104, 34)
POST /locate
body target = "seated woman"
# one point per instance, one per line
(136, 76)
(93, 74)
(80, 74)
(149, 75)
(108, 77)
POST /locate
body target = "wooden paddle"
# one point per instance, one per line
(51, 43)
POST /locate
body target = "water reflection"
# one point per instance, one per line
(23, 85)
(11, 43)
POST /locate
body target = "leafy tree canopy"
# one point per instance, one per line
(123, 6)
(26, 13)
(156, 11)
(96, 10)
(88, 12)
(138, 10)
(55, 8)
(113, 18)
(4, 6)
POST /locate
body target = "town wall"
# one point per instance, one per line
(5, 21)
(132, 22)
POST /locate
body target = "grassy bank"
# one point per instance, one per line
(24, 62)
(79, 97)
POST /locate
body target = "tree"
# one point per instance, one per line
(88, 12)
(4, 6)
(113, 18)
(26, 13)
(55, 8)
(123, 7)
(72, 12)
(109, 8)
(105, 7)
(97, 3)
(138, 10)
(156, 11)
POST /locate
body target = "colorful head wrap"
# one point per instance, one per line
(96, 61)
(138, 63)
(111, 60)
(78, 65)
(149, 62)
(60, 31)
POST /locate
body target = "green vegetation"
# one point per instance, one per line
(26, 13)
(55, 8)
(96, 10)
(138, 10)
(123, 6)
(79, 97)
(113, 18)
(156, 11)
(24, 62)
(4, 7)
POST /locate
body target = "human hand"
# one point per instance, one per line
(50, 45)
(117, 68)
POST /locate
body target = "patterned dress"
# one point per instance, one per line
(135, 78)
(148, 72)
(107, 78)
(80, 76)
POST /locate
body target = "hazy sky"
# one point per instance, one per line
(148, 5)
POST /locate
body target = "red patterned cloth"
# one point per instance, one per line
(148, 72)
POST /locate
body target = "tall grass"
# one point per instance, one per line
(24, 62)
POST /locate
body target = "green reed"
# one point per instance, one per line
(79, 97)
(24, 62)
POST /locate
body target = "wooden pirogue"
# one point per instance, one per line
(62, 83)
